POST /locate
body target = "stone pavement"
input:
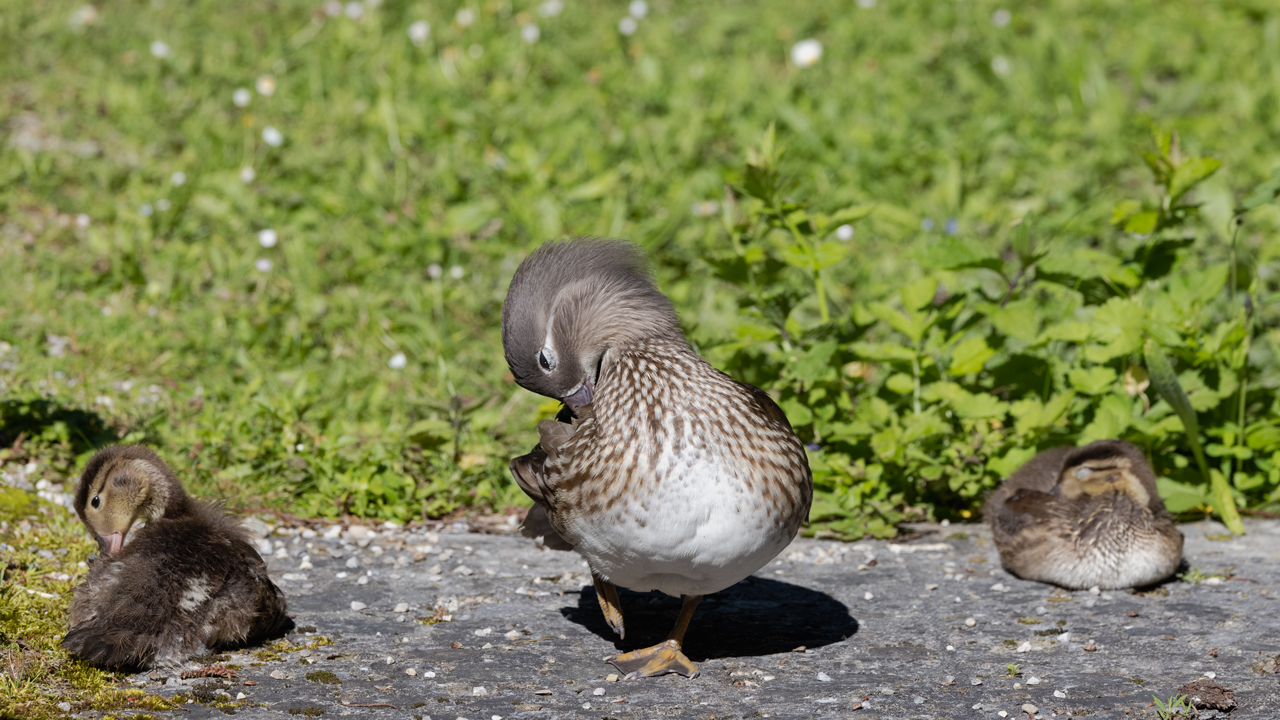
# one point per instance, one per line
(453, 624)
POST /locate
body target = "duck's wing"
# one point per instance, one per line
(538, 474)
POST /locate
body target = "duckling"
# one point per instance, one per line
(176, 576)
(1084, 517)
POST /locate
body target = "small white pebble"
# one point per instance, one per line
(401, 607)
(612, 677)
(357, 605)
(353, 562)
(1003, 714)
(410, 672)
(389, 660)
(598, 691)
(1033, 680)
(823, 677)
(970, 622)
(479, 690)
(951, 647)
(429, 674)
(1211, 674)
(1024, 647)
(241, 696)
(1059, 694)
(867, 595)
(1030, 709)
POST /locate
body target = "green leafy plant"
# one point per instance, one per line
(1175, 708)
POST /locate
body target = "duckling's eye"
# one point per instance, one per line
(96, 501)
(547, 359)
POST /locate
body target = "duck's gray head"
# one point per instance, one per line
(569, 303)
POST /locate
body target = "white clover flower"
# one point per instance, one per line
(162, 204)
(247, 174)
(806, 52)
(263, 265)
(86, 15)
(1000, 65)
(530, 33)
(333, 8)
(638, 9)
(926, 224)
(476, 50)
(354, 10)
(456, 272)
(1001, 17)
(845, 232)
(266, 85)
(434, 271)
(241, 97)
(267, 238)
(628, 26)
(397, 361)
(82, 221)
(161, 49)
(272, 136)
(419, 31)
(146, 210)
(551, 8)
(465, 17)
(179, 178)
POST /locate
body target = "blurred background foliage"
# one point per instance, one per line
(273, 239)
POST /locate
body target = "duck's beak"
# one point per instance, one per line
(581, 396)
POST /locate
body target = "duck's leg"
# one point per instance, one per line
(665, 657)
(607, 594)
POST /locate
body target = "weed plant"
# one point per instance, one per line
(272, 240)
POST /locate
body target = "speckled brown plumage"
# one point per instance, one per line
(673, 476)
(186, 582)
(1085, 517)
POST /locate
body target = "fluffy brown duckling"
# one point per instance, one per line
(176, 576)
(1087, 516)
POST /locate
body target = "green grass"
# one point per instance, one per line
(273, 388)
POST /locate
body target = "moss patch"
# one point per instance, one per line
(323, 676)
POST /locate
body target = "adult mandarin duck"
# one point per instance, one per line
(662, 472)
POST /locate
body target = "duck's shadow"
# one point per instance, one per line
(757, 616)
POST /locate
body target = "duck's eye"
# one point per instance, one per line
(547, 359)
(96, 501)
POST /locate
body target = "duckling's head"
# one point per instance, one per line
(122, 486)
(1104, 467)
(569, 303)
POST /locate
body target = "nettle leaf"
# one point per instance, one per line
(1110, 418)
(1143, 223)
(1264, 438)
(1011, 461)
(1019, 319)
(796, 412)
(901, 383)
(1032, 414)
(911, 324)
(970, 356)
(797, 256)
(964, 403)
(829, 253)
(1069, 331)
(920, 293)
(1092, 381)
(814, 362)
(874, 411)
(1123, 210)
(1191, 172)
(1181, 497)
(1200, 286)
(952, 253)
(1118, 324)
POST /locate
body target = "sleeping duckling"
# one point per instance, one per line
(1085, 517)
(159, 593)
